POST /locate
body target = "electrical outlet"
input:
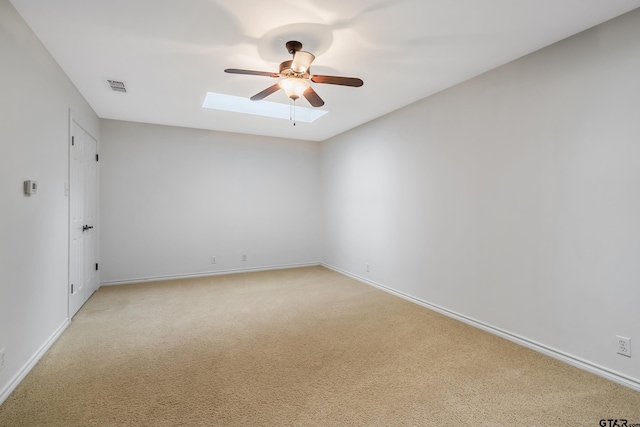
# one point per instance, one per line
(624, 345)
(244, 257)
(1, 359)
(213, 260)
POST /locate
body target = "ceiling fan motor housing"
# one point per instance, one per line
(286, 71)
(285, 67)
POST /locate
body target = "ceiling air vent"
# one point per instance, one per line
(117, 86)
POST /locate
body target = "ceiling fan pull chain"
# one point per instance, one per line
(294, 112)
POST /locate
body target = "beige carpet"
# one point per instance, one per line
(303, 347)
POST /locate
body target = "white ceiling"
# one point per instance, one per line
(170, 53)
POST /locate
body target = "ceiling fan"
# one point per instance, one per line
(296, 77)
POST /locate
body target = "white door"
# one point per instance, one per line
(83, 187)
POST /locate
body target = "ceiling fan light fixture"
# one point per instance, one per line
(301, 62)
(294, 87)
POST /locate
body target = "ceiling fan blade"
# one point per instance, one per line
(302, 61)
(251, 72)
(335, 80)
(268, 91)
(313, 98)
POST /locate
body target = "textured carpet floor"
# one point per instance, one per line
(304, 347)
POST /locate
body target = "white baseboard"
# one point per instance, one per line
(609, 374)
(205, 274)
(22, 373)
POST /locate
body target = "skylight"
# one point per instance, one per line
(237, 104)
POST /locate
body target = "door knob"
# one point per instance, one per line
(87, 227)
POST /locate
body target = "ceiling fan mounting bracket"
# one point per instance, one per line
(293, 46)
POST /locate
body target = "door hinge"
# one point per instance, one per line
(73, 141)
(72, 288)
(96, 266)
(96, 157)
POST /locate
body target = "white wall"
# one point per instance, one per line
(512, 199)
(34, 131)
(174, 197)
